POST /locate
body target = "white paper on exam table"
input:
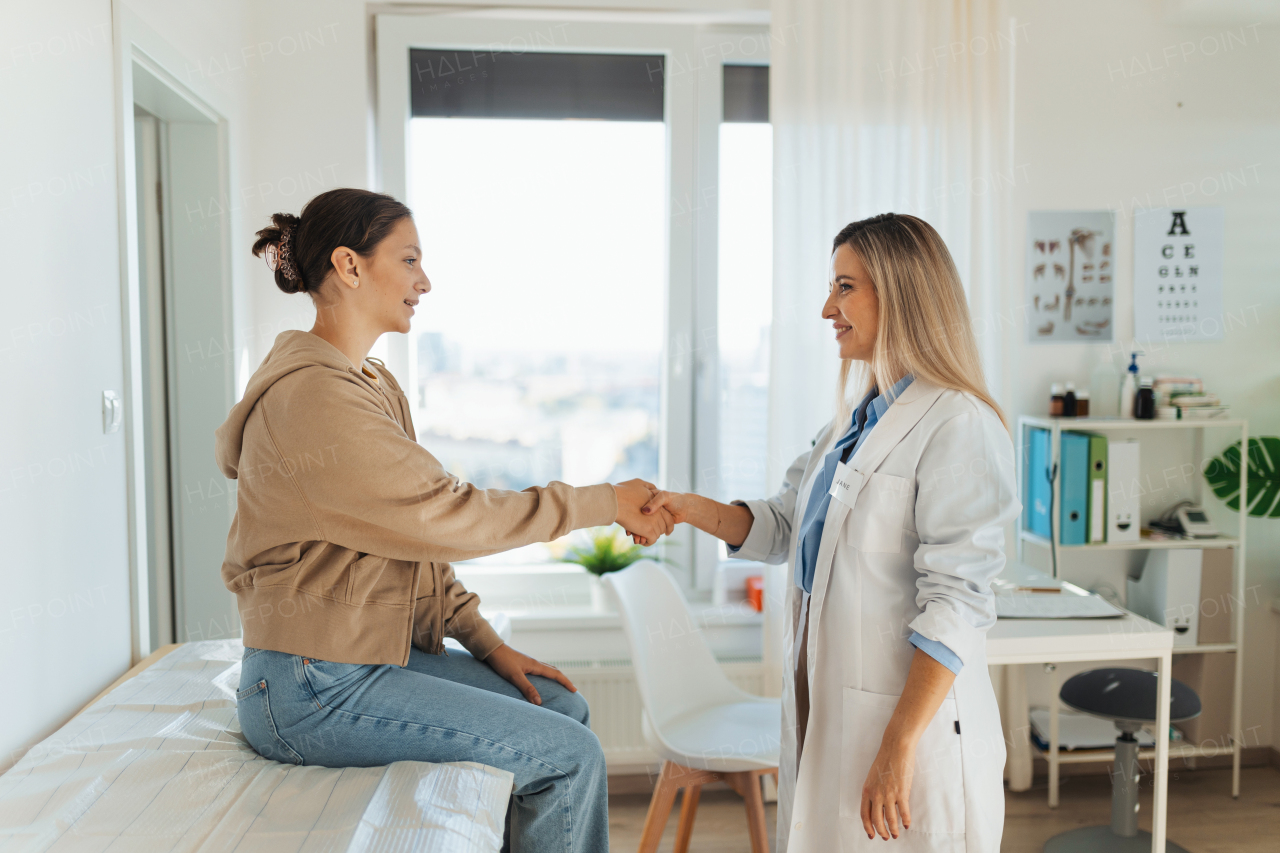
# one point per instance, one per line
(1070, 602)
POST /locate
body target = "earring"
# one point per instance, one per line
(355, 282)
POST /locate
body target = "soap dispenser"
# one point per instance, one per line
(1129, 389)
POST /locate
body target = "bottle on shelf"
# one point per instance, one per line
(1069, 401)
(1082, 403)
(1129, 389)
(1055, 400)
(1144, 406)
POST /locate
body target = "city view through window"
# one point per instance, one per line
(539, 348)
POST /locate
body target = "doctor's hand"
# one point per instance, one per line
(728, 522)
(886, 794)
(678, 504)
(643, 529)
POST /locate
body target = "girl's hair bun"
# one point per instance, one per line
(279, 241)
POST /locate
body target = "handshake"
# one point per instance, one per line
(646, 512)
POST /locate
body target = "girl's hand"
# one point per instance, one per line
(886, 794)
(516, 667)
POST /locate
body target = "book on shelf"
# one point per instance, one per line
(1203, 413)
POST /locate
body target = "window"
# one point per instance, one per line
(745, 280)
(560, 172)
(539, 348)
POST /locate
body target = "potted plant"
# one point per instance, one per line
(607, 549)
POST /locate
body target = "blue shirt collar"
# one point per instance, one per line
(873, 407)
(882, 403)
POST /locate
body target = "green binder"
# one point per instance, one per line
(1097, 508)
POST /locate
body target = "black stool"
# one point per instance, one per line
(1127, 696)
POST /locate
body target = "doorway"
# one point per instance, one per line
(149, 135)
(182, 371)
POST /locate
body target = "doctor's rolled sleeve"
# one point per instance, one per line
(966, 495)
(938, 652)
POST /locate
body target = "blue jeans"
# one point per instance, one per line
(439, 708)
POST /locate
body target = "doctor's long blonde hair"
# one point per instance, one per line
(924, 326)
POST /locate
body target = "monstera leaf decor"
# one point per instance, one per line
(1223, 475)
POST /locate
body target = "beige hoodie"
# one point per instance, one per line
(344, 524)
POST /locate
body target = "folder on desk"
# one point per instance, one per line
(1036, 488)
(1071, 603)
(1097, 488)
(1074, 470)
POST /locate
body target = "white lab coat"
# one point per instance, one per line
(916, 551)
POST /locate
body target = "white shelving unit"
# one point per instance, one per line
(1056, 427)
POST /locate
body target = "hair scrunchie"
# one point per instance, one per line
(280, 256)
(287, 266)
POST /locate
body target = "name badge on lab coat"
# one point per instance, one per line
(846, 484)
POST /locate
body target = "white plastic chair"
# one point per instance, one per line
(703, 727)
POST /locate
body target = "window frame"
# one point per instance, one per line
(695, 52)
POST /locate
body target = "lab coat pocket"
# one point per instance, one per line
(878, 518)
(866, 716)
(937, 786)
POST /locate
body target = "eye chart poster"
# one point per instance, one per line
(1177, 274)
(1070, 268)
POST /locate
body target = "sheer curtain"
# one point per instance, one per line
(877, 106)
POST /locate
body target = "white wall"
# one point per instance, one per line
(310, 111)
(64, 611)
(65, 625)
(1094, 132)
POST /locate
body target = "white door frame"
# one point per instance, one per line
(147, 71)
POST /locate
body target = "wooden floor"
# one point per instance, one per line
(1202, 816)
(721, 826)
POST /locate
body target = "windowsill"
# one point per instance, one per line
(527, 589)
(585, 617)
(556, 617)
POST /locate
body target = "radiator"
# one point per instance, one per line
(610, 689)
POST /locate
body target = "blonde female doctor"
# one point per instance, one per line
(893, 528)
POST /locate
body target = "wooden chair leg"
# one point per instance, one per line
(757, 828)
(664, 796)
(688, 811)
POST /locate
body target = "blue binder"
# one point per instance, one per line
(1074, 469)
(1035, 511)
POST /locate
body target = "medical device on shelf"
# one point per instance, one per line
(1194, 522)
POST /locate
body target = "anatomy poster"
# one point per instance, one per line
(1070, 269)
(1177, 274)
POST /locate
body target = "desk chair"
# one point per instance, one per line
(1127, 696)
(703, 727)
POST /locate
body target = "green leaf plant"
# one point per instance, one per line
(608, 549)
(1263, 477)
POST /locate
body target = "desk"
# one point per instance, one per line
(1018, 642)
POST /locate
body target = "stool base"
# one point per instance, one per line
(1100, 839)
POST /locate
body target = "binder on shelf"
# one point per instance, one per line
(1036, 511)
(1074, 470)
(1123, 490)
(1097, 488)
